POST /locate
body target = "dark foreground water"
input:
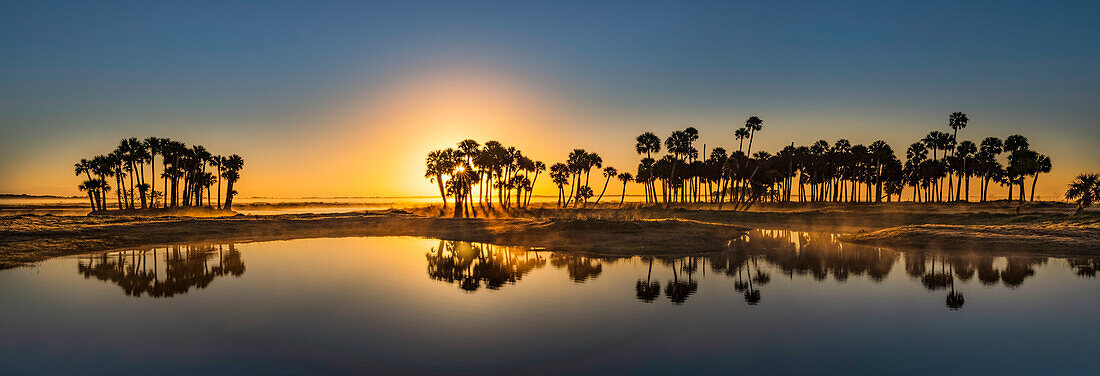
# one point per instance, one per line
(776, 302)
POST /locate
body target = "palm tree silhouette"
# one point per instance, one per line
(624, 177)
(559, 174)
(1085, 189)
(539, 168)
(437, 164)
(233, 165)
(647, 143)
(753, 124)
(153, 145)
(608, 173)
(740, 135)
(1041, 166)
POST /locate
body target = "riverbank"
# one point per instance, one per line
(1038, 228)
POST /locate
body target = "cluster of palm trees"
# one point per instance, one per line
(937, 168)
(836, 172)
(187, 175)
(492, 167)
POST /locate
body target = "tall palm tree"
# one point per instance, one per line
(753, 124)
(740, 135)
(624, 177)
(608, 173)
(90, 187)
(881, 153)
(436, 165)
(965, 153)
(1042, 166)
(559, 174)
(539, 168)
(153, 145)
(233, 165)
(647, 143)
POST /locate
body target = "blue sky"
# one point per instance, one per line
(77, 72)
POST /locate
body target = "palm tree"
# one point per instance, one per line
(1041, 166)
(608, 173)
(881, 152)
(539, 168)
(647, 143)
(154, 145)
(436, 165)
(740, 135)
(90, 187)
(1085, 189)
(219, 170)
(988, 151)
(956, 120)
(753, 124)
(559, 174)
(624, 177)
(965, 152)
(233, 165)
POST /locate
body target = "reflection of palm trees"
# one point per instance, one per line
(817, 254)
(1085, 267)
(141, 272)
(1018, 268)
(678, 291)
(936, 281)
(579, 268)
(955, 299)
(648, 291)
(986, 273)
(469, 265)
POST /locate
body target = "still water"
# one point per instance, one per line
(776, 302)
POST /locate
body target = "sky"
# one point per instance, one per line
(346, 98)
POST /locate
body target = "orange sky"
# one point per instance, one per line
(371, 140)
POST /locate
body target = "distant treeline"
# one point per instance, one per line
(937, 168)
(186, 174)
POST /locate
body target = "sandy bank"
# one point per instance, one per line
(1073, 236)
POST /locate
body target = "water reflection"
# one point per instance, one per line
(470, 265)
(163, 272)
(748, 264)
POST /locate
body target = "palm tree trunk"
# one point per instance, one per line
(118, 191)
(229, 195)
(153, 183)
(967, 187)
(608, 180)
(219, 190)
(1033, 181)
(438, 180)
(623, 196)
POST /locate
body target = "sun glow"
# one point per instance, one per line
(384, 134)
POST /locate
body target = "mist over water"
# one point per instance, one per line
(775, 301)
